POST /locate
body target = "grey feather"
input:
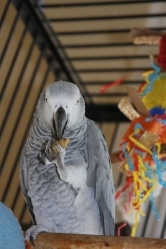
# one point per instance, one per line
(24, 186)
(102, 173)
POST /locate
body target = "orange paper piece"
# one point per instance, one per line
(152, 126)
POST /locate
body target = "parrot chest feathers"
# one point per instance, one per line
(52, 199)
(57, 204)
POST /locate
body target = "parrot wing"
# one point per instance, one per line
(100, 176)
(24, 185)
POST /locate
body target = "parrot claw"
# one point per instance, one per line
(33, 231)
(32, 240)
(42, 158)
(49, 153)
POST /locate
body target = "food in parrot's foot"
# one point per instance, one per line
(63, 143)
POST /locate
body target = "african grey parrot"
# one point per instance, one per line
(67, 190)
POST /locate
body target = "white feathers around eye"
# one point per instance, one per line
(63, 94)
(43, 113)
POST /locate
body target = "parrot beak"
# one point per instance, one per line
(59, 123)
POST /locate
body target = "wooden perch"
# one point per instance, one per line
(73, 241)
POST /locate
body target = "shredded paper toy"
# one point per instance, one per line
(144, 143)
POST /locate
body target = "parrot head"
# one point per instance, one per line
(61, 107)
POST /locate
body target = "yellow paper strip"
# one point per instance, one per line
(139, 144)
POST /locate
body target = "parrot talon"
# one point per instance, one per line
(42, 157)
(48, 153)
(33, 231)
(32, 240)
(48, 145)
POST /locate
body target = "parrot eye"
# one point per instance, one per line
(45, 98)
(77, 101)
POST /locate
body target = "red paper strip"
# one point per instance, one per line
(129, 180)
(119, 228)
(141, 86)
(121, 156)
(112, 84)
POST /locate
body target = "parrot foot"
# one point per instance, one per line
(54, 151)
(50, 155)
(33, 231)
